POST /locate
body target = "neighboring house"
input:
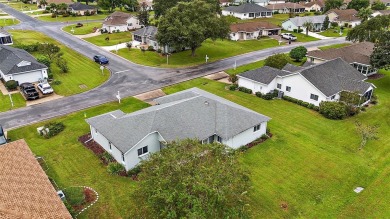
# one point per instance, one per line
(19, 65)
(225, 3)
(347, 17)
(287, 7)
(26, 191)
(386, 2)
(358, 55)
(57, 2)
(5, 37)
(253, 30)
(313, 84)
(147, 36)
(120, 21)
(81, 9)
(149, 4)
(247, 11)
(297, 23)
(193, 114)
(257, 2)
(276, 2)
(380, 13)
(314, 6)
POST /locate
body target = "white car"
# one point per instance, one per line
(289, 36)
(45, 88)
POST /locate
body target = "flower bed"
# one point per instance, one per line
(80, 198)
(260, 140)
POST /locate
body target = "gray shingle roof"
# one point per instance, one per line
(291, 68)
(264, 74)
(81, 7)
(149, 31)
(10, 57)
(336, 75)
(246, 8)
(299, 21)
(192, 113)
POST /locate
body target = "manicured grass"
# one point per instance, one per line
(311, 164)
(75, 195)
(276, 19)
(301, 37)
(335, 46)
(20, 6)
(5, 102)
(334, 32)
(8, 21)
(86, 29)
(214, 50)
(60, 18)
(115, 38)
(83, 71)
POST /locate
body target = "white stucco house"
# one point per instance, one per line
(380, 13)
(357, 55)
(5, 37)
(19, 65)
(193, 113)
(247, 11)
(314, 5)
(276, 2)
(313, 84)
(81, 9)
(120, 21)
(297, 23)
(253, 30)
(257, 2)
(288, 7)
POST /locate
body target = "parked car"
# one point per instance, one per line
(79, 25)
(29, 91)
(100, 59)
(45, 88)
(289, 36)
(3, 140)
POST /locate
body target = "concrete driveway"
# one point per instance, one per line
(127, 77)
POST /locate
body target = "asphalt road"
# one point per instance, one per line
(128, 78)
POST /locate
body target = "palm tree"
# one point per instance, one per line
(364, 14)
(309, 26)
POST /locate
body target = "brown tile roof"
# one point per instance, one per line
(279, 6)
(345, 15)
(68, 2)
(25, 190)
(117, 18)
(384, 12)
(359, 52)
(252, 26)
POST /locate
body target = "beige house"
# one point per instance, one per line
(347, 17)
(253, 30)
(287, 7)
(314, 6)
(120, 21)
(57, 2)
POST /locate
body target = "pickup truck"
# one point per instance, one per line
(288, 36)
(28, 90)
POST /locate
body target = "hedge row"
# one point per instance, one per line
(302, 103)
(268, 96)
(245, 90)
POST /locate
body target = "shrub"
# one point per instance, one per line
(135, 171)
(75, 195)
(107, 157)
(295, 30)
(28, 47)
(57, 82)
(317, 13)
(93, 13)
(268, 96)
(334, 24)
(54, 129)
(150, 48)
(159, 51)
(87, 13)
(264, 136)
(66, 15)
(276, 61)
(62, 64)
(300, 30)
(233, 87)
(298, 53)
(333, 110)
(233, 78)
(276, 12)
(259, 94)
(53, 15)
(115, 168)
(307, 13)
(363, 109)
(11, 84)
(245, 90)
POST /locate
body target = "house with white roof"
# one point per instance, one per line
(312, 84)
(247, 11)
(193, 114)
(297, 23)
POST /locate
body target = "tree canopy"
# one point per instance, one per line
(378, 5)
(332, 4)
(276, 61)
(110, 5)
(188, 179)
(160, 7)
(298, 53)
(358, 4)
(380, 58)
(364, 14)
(188, 24)
(370, 30)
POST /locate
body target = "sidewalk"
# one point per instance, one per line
(97, 33)
(119, 46)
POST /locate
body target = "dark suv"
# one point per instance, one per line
(28, 90)
(3, 140)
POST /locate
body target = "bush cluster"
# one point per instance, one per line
(268, 96)
(11, 84)
(245, 90)
(302, 103)
(233, 87)
(28, 47)
(115, 168)
(135, 171)
(333, 110)
(54, 129)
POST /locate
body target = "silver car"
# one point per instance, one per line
(45, 88)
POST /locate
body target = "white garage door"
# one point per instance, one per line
(28, 77)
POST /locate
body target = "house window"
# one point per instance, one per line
(256, 128)
(314, 97)
(288, 88)
(110, 145)
(279, 86)
(129, 24)
(219, 139)
(332, 97)
(123, 157)
(312, 59)
(142, 151)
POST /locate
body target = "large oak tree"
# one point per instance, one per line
(188, 24)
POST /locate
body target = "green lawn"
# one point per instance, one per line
(276, 19)
(335, 46)
(86, 29)
(60, 18)
(115, 38)
(20, 6)
(83, 71)
(5, 102)
(214, 50)
(312, 164)
(8, 21)
(334, 32)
